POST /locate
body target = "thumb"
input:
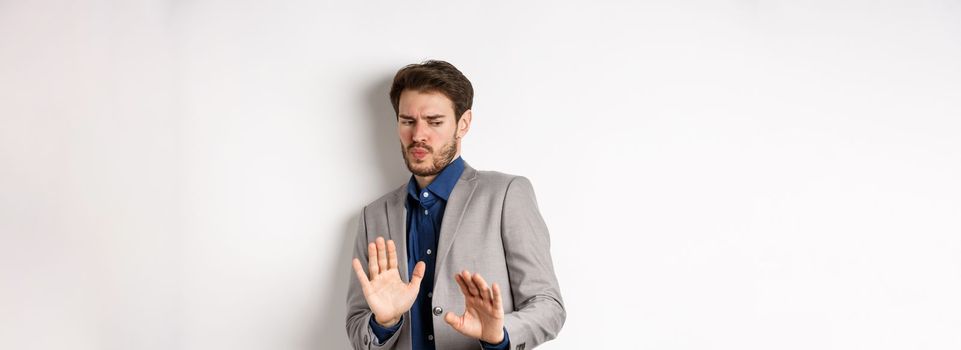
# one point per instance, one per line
(417, 276)
(453, 320)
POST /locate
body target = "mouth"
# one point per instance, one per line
(419, 153)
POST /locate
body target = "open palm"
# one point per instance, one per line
(483, 316)
(387, 295)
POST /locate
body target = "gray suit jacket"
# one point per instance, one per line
(492, 226)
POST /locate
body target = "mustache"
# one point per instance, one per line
(420, 145)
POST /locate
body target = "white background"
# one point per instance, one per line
(715, 174)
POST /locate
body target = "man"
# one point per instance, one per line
(471, 243)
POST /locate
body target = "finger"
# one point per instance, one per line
(417, 276)
(381, 254)
(485, 292)
(463, 287)
(469, 281)
(391, 255)
(465, 278)
(498, 303)
(372, 260)
(361, 276)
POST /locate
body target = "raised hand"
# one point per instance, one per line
(483, 317)
(387, 295)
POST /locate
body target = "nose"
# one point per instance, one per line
(420, 132)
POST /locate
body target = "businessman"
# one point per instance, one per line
(456, 258)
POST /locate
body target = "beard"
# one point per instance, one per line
(441, 159)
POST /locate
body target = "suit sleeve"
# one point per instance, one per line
(359, 316)
(539, 310)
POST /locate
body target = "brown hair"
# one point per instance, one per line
(434, 76)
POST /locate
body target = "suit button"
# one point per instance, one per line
(438, 310)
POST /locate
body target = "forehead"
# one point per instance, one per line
(419, 103)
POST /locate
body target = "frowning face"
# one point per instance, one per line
(429, 133)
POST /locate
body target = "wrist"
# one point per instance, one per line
(494, 338)
(388, 322)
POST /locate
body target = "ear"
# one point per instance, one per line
(464, 124)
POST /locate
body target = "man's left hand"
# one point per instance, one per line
(483, 316)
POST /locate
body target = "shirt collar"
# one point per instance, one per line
(443, 184)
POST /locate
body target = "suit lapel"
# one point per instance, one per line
(454, 213)
(397, 228)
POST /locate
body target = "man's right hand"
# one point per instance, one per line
(387, 295)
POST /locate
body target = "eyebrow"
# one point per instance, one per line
(436, 116)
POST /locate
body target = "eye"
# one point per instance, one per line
(436, 123)
(406, 122)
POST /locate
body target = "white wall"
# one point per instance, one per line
(716, 175)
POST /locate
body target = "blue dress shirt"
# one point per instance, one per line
(425, 211)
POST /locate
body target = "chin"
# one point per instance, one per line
(421, 169)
